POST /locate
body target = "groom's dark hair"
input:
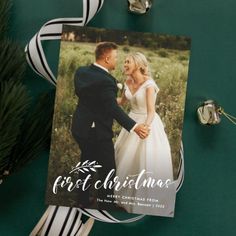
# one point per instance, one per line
(103, 48)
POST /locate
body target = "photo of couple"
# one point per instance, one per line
(135, 162)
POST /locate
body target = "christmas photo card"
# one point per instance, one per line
(118, 119)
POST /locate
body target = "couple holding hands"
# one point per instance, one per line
(142, 143)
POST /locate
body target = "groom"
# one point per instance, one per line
(92, 121)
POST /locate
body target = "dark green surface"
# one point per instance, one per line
(206, 203)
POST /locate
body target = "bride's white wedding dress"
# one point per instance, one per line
(152, 154)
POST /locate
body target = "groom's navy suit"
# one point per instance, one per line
(97, 90)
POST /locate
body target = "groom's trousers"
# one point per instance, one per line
(101, 151)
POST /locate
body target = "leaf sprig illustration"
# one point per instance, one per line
(86, 166)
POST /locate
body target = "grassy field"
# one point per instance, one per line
(169, 69)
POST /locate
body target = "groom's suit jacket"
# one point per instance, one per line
(97, 90)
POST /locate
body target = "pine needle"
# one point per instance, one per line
(14, 102)
(12, 60)
(5, 6)
(35, 133)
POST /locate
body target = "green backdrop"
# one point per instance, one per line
(206, 204)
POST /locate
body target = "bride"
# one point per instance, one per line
(153, 154)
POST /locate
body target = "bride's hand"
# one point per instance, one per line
(142, 131)
(147, 126)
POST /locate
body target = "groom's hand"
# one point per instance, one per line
(142, 130)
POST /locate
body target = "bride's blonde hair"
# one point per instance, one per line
(141, 63)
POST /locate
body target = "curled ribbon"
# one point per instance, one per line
(52, 30)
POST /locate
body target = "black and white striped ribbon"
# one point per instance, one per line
(180, 174)
(63, 221)
(52, 30)
(59, 220)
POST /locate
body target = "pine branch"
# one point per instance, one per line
(35, 133)
(5, 6)
(24, 131)
(14, 102)
(12, 60)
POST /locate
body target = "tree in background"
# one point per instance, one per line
(148, 40)
(24, 126)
